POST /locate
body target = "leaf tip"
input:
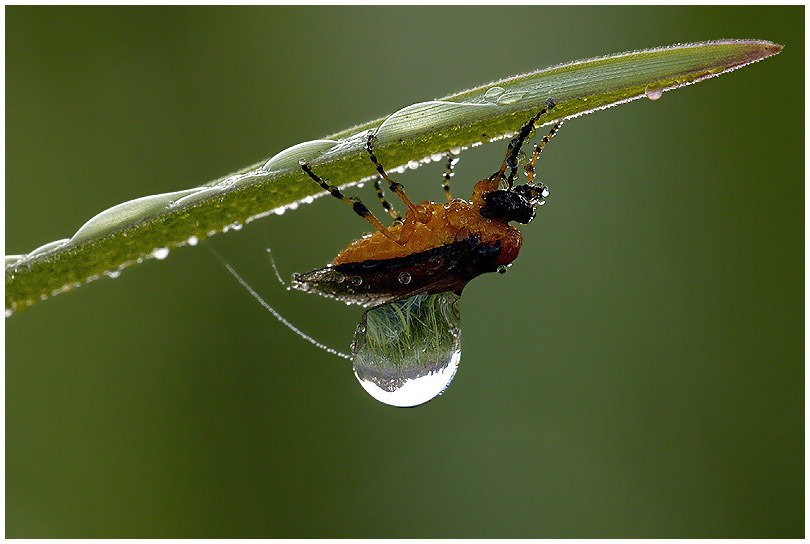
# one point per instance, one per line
(771, 48)
(764, 49)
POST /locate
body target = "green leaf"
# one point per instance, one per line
(148, 227)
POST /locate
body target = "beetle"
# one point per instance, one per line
(436, 247)
(410, 275)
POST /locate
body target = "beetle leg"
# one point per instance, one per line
(539, 149)
(356, 204)
(452, 159)
(385, 204)
(393, 185)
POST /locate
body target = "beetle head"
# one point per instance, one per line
(514, 204)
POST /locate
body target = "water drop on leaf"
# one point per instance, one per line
(653, 93)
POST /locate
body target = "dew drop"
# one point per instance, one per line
(160, 253)
(545, 192)
(112, 273)
(339, 278)
(455, 150)
(436, 157)
(192, 240)
(404, 278)
(413, 165)
(502, 269)
(654, 92)
(493, 93)
(510, 98)
(357, 281)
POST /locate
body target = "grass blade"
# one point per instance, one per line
(147, 227)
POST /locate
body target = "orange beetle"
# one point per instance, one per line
(436, 247)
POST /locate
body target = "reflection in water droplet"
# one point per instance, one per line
(407, 352)
(653, 93)
(404, 278)
(493, 93)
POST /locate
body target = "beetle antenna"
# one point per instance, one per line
(272, 310)
(511, 160)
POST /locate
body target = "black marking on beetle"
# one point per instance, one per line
(445, 268)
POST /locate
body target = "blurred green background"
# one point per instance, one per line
(638, 372)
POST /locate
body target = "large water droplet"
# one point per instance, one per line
(405, 353)
(404, 278)
(653, 92)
